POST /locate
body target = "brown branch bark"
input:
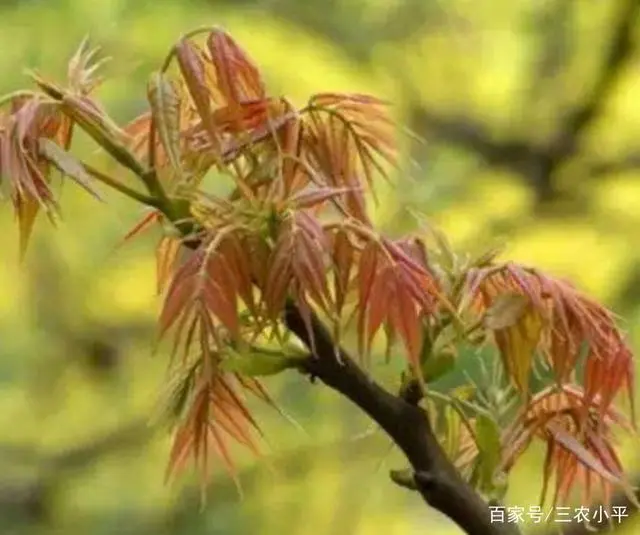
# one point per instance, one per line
(333, 21)
(628, 163)
(30, 499)
(437, 480)
(617, 56)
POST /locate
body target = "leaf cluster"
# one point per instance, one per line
(295, 228)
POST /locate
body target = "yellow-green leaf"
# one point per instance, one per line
(438, 364)
(257, 363)
(165, 108)
(505, 310)
(488, 441)
(27, 208)
(517, 346)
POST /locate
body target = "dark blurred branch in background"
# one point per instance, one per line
(346, 25)
(617, 58)
(538, 165)
(630, 162)
(350, 25)
(129, 435)
(30, 498)
(551, 23)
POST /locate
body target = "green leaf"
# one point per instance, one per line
(439, 364)
(165, 108)
(427, 344)
(489, 447)
(67, 164)
(254, 362)
(175, 400)
(452, 419)
(505, 310)
(440, 355)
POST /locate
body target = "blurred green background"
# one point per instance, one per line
(530, 116)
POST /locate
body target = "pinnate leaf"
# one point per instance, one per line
(394, 288)
(405, 319)
(191, 63)
(343, 263)
(165, 109)
(566, 321)
(216, 417)
(300, 256)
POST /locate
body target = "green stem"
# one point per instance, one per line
(455, 401)
(125, 190)
(178, 211)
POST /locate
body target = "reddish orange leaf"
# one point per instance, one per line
(579, 450)
(279, 274)
(166, 257)
(237, 77)
(407, 323)
(190, 61)
(572, 321)
(343, 260)
(316, 196)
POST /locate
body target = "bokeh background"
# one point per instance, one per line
(529, 114)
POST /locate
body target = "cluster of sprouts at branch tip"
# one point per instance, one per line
(295, 228)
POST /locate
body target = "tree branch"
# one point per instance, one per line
(333, 20)
(407, 425)
(625, 164)
(29, 499)
(618, 55)
(533, 163)
(538, 164)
